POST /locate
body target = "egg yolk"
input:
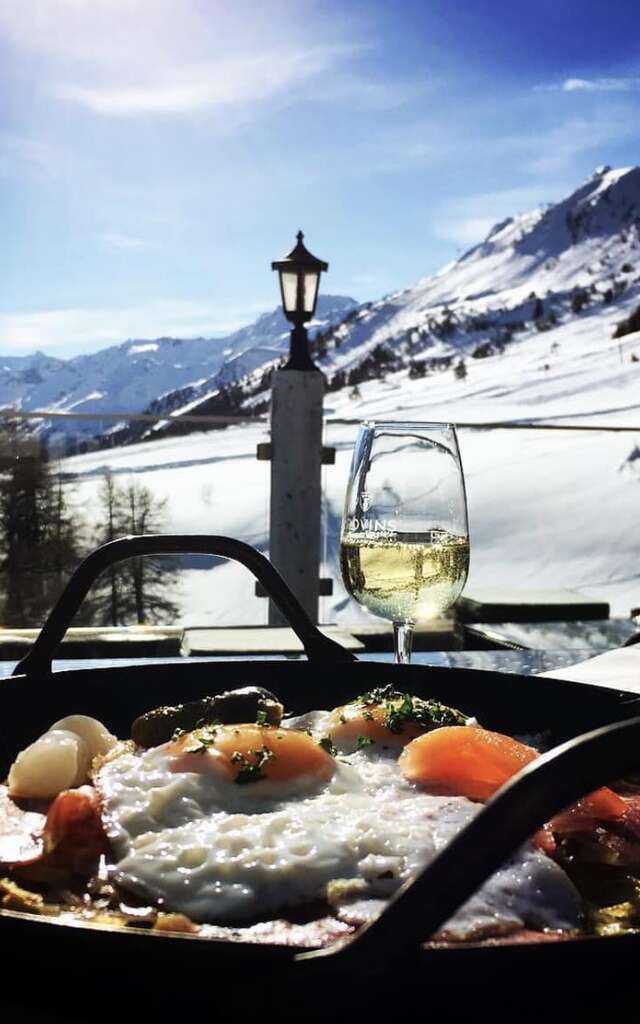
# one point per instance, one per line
(464, 761)
(359, 725)
(474, 762)
(250, 753)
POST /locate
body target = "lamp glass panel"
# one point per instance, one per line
(289, 283)
(310, 291)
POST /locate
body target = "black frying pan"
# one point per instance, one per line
(384, 965)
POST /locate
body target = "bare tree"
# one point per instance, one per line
(109, 602)
(151, 577)
(140, 589)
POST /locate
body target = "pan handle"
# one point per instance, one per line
(542, 789)
(317, 646)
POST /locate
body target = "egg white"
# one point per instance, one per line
(220, 852)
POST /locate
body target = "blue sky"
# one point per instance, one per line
(156, 155)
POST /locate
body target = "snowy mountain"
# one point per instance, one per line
(543, 316)
(128, 377)
(530, 274)
(576, 262)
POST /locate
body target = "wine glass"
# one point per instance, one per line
(404, 544)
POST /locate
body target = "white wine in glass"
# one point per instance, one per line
(404, 545)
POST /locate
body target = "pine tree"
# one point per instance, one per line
(109, 603)
(628, 326)
(137, 590)
(151, 578)
(39, 534)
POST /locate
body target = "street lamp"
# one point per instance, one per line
(299, 280)
(295, 449)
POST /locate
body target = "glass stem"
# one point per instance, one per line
(402, 637)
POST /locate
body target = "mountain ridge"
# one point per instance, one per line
(499, 276)
(532, 273)
(129, 376)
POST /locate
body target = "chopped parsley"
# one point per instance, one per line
(397, 714)
(363, 741)
(327, 745)
(400, 708)
(261, 718)
(204, 723)
(251, 764)
(200, 739)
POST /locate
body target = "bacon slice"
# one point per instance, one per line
(72, 840)
(475, 763)
(21, 832)
(74, 837)
(632, 815)
(602, 806)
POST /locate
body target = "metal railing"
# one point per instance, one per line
(206, 515)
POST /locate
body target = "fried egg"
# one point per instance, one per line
(232, 823)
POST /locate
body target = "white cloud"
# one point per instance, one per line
(234, 80)
(122, 58)
(121, 241)
(621, 83)
(467, 220)
(556, 150)
(464, 231)
(65, 332)
(600, 84)
(108, 33)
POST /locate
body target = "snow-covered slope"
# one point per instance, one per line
(530, 273)
(547, 508)
(128, 377)
(574, 265)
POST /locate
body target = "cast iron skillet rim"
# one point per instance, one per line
(130, 933)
